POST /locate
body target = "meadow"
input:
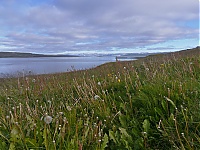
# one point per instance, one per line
(150, 103)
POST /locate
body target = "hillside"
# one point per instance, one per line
(150, 103)
(24, 55)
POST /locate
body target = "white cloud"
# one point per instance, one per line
(61, 25)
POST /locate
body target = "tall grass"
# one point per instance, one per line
(151, 103)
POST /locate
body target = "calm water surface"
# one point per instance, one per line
(46, 65)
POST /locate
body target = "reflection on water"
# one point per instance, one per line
(45, 65)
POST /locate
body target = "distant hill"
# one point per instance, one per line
(25, 55)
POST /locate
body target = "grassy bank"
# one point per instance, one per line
(151, 103)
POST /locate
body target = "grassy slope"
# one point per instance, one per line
(151, 103)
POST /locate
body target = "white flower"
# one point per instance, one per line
(99, 83)
(48, 119)
(69, 108)
(61, 113)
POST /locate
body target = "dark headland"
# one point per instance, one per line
(25, 55)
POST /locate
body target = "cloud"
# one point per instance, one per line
(76, 25)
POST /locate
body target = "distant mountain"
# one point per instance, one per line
(25, 55)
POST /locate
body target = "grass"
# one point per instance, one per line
(151, 103)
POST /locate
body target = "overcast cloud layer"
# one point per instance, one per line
(87, 26)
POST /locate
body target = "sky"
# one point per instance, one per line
(98, 26)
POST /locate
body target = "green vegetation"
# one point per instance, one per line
(151, 103)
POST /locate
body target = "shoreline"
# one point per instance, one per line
(117, 59)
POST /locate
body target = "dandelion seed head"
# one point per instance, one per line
(96, 97)
(48, 119)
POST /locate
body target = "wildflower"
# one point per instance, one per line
(96, 97)
(49, 101)
(119, 80)
(182, 134)
(124, 67)
(48, 119)
(69, 108)
(159, 124)
(161, 65)
(65, 119)
(33, 80)
(99, 134)
(144, 133)
(61, 113)
(99, 83)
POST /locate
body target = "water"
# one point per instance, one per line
(46, 65)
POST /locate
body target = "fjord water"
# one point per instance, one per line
(46, 65)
